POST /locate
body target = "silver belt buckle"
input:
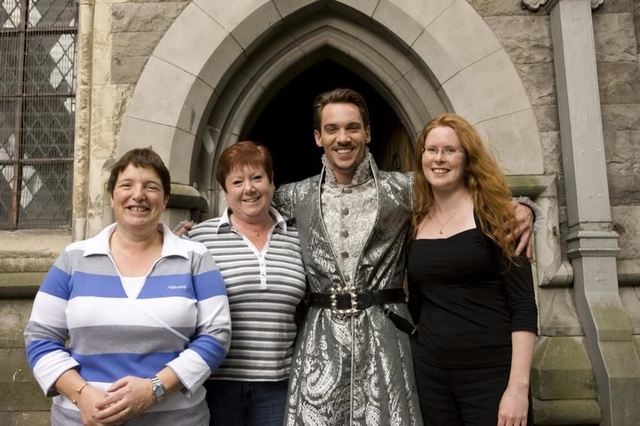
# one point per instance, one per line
(344, 313)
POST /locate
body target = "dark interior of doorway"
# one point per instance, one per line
(285, 125)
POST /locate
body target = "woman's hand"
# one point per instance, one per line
(126, 398)
(86, 403)
(514, 406)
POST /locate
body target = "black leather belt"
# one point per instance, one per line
(350, 303)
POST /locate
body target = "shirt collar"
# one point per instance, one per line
(364, 171)
(278, 219)
(171, 244)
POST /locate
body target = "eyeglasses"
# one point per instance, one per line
(447, 151)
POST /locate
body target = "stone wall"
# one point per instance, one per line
(125, 36)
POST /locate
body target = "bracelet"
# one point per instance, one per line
(79, 391)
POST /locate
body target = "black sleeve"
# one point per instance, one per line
(518, 283)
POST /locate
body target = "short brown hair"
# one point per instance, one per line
(141, 157)
(243, 154)
(339, 96)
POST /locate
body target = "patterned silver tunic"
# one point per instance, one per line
(357, 370)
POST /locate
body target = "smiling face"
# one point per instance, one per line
(249, 192)
(138, 198)
(444, 171)
(344, 137)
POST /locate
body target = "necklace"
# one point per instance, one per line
(442, 225)
(255, 232)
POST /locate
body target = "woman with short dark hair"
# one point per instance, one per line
(145, 313)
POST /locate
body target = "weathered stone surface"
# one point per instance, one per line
(127, 70)
(547, 118)
(622, 154)
(566, 412)
(619, 82)
(499, 7)
(539, 82)
(615, 6)
(626, 222)
(621, 117)
(527, 39)
(561, 369)
(636, 24)
(557, 312)
(144, 17)
(551, 152)
(25, 418)
(135, 43)
(17, 384)
(630, 296)
(624, 190)
(14, 315)
(31, 251)
(614, 37)
(623, 166)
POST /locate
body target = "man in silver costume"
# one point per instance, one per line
(352, 362)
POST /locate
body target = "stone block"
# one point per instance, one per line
(620, 117)
(615, 6)
(25, 418)
(561, 369)
(405, 26)
(14, 315)
(630, 296)
(624, 190)
(551, 152)
(539, 82)
(127, 44)
(619, 82)
(144, 17)
(180, 104)
(514, 142)
(487, 89)
(127, 69)
(248, 21)
(614, 37)
(621, 151)
(18, 384)
(626, 222)
(557, 313)
(527, 39)
(471, 43)
(20, 285)
(547, 118)
(566, 412)
(500, 8)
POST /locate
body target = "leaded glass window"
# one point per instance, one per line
(37, 112)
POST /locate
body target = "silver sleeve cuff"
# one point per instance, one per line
(538, 217)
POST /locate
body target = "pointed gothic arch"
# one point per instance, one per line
(219, 64)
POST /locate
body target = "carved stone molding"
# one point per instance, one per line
(535, 5)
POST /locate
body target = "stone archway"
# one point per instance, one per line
(240, 54)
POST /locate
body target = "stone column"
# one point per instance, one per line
(592, 244)
(82, 153)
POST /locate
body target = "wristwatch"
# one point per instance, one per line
(157, 389)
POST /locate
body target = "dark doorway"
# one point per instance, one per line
(285, 125)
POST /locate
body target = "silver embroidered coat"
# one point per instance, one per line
(358, 370)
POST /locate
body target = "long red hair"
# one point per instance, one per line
(483, 178)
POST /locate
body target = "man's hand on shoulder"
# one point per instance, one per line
(523, 228)
(183, 227)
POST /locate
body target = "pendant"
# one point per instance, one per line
(440, 232)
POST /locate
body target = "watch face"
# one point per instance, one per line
(158, 391)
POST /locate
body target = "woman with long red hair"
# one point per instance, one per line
(471, 295)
